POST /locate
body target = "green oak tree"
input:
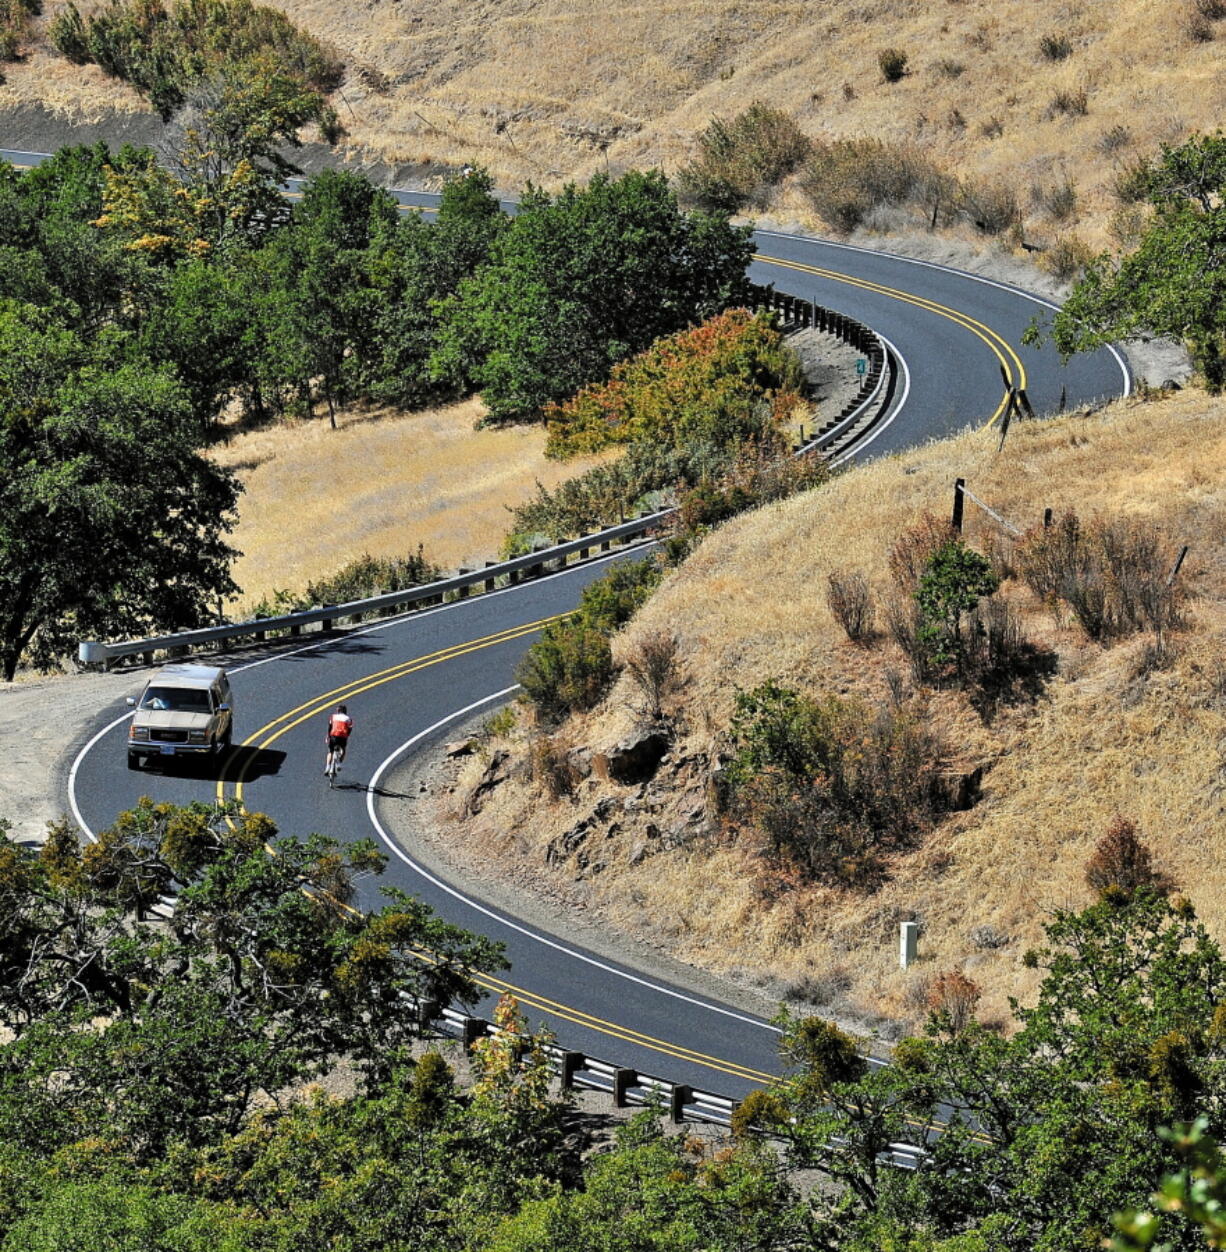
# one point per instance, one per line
(110, 520)
(1174, 282)
(580, 281)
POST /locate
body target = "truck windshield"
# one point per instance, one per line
(176, 700)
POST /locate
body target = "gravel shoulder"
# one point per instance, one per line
(43, 724)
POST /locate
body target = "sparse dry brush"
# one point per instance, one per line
(1122, 862)
(851, 602)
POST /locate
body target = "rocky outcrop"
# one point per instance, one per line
(494, 773)
(634, 759)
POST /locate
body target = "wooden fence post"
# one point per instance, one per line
(956, 520)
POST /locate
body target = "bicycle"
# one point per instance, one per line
(333, 765)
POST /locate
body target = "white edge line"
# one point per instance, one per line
(858, 445)
(76, 765)
(948, 269)
(420, 870)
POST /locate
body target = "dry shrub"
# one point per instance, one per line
(1069, 102)
(892, 63)
(831, 785)
(1055, 47)
(1059, 201)
(992, 207)
(914, 548)
(552, 768)
(1122, 863)
(998, 664)
(654, 667)
(740, 161)
(851, 602)
(1113, 575)
(1067, 257)
(1211, 10)
(949, 68)
(952, 998)
(846, 179)
(1114, 140)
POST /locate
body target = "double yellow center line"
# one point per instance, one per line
(1001, 348)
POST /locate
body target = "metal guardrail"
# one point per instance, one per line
(794, 314)
(627, 1087)
(91, 652)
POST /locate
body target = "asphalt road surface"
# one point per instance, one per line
(408, 680)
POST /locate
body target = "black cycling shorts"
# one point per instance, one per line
(337, 741)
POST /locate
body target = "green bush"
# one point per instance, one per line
(831, 785)
(567, 670)
(164, 51)
(571, 667)
(365, 576)
(740, 161)
(610, 602)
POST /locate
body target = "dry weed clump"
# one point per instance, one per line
(851, 603)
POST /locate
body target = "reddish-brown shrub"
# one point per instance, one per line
(1122, 862)
(952, 997)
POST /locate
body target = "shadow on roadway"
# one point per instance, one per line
(245, 762)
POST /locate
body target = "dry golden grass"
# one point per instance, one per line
(383, 483)
(750, 605)
(537, 90)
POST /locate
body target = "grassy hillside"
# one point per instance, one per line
(383, 483)
(1112, 734)
(1033, 96)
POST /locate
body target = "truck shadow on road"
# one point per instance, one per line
(245, 761)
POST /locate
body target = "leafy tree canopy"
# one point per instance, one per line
(578, 282)
(1174, 283)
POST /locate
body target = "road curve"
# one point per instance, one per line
(408, 680)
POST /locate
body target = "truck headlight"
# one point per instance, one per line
(197, 736)
(139, 732)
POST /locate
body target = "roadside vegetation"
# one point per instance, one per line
(169, 51)
(245, 1074)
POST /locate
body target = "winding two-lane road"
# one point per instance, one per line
(407, 680)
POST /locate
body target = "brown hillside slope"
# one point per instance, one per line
(1106, 738)
(536, 88)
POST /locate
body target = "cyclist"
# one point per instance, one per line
(340, 727)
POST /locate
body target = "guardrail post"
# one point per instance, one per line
(462, 592)
(261, 635)
(570, 1064)
(147, 657)
(489, 582)
(623, 1080)
(295, 631)
(956, 520)
(473, 1029)
(605, 545)
(1047, 516)
(680, 1097)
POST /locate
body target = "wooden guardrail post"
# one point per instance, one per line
(462, 592)
(956, 520)
(489, 582)
(570, 1064)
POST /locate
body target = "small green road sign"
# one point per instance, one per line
(861, 367)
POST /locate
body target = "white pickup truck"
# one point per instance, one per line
(185, 710)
